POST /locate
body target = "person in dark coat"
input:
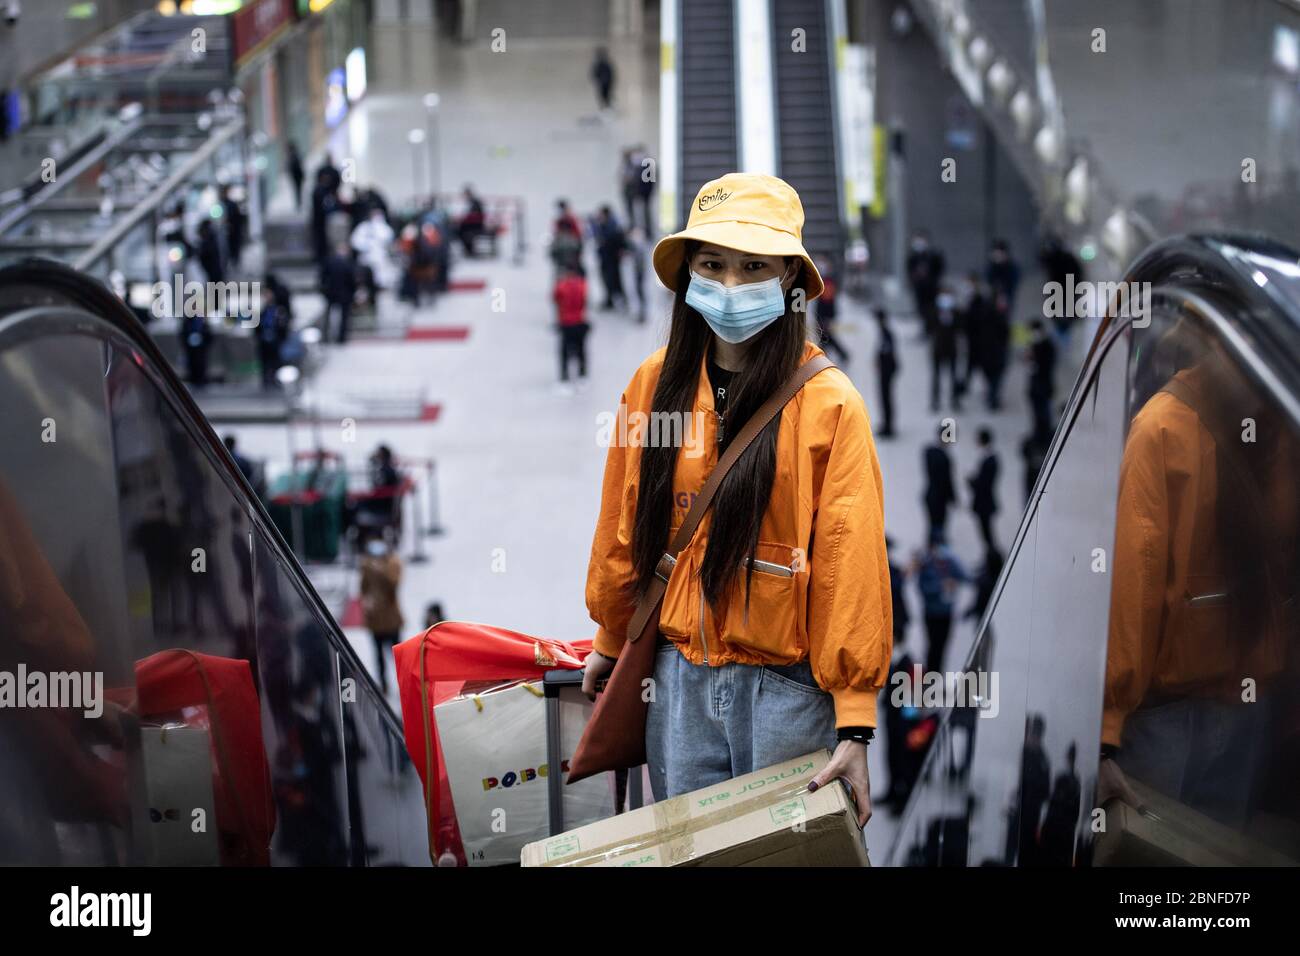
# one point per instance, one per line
(1035, 788)
(938, 575)
(330, 172)
(610, 246)
(645, 190)
(994, 346)
(983, 487)
(1062, 267)
(197, 338)
(972, 325)
(925, 267)
(943, 352)
(338, 283)
(1003, 276)
(1042, 376)
(241, 461)
(887, 366)
(602, 75)
(279, 292)
(940, 490)
(293, 166)
(272, 330)
(1057, 834)
(210, 252)
(236, 226)
(473, 224)
(324, 201)
(825, 311)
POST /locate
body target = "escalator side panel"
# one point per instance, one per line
(805, 108)
(707, 76)
(134, 549)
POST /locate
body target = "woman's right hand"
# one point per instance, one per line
(1111, 782)
(594, 668)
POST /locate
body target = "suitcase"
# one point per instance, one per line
(629, 786)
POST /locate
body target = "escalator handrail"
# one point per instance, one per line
(90, 308)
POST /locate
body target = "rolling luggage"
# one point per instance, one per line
(456, 659)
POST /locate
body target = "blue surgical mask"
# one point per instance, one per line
(739, 312)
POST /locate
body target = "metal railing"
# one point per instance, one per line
(105, 245)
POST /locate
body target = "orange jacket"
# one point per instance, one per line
(1171, 631)
(824, 522)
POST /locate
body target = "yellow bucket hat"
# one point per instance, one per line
(746, 211)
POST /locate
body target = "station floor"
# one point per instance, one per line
(518, 464)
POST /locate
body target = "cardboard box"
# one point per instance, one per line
(494, 746)
(1170, 833)
(766, 818)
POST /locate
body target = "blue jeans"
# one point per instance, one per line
(1206, 754)
(709, 724)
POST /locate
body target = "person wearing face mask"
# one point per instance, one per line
(943, 351)
(775, 628)
(925, 268)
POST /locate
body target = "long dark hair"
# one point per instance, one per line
(741, 499)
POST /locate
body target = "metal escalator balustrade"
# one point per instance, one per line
(805, 108)
(137, 550)
(1148, 603)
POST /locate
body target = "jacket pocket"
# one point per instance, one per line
(679, 614)
(777, 590)
(1202, 646)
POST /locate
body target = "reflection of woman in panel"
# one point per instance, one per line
(775, 626)
(1205, 533)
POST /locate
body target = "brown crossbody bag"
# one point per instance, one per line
(614, 738)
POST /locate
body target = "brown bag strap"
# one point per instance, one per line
(757, 422)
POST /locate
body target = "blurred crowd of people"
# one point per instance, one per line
(971, 329)
(621, 250)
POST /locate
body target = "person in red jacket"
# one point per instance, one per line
(570, 296)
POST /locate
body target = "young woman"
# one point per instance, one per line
(775, 629)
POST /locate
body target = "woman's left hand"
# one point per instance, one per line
(849, 762)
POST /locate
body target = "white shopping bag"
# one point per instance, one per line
(494, 745)
(180, 820)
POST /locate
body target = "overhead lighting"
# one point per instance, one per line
(1001, 79)
(213, 8)
(1022, 112)
(1286, 49)
(1047, 145)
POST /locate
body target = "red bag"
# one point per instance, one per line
(433, 667)
(171, 680)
